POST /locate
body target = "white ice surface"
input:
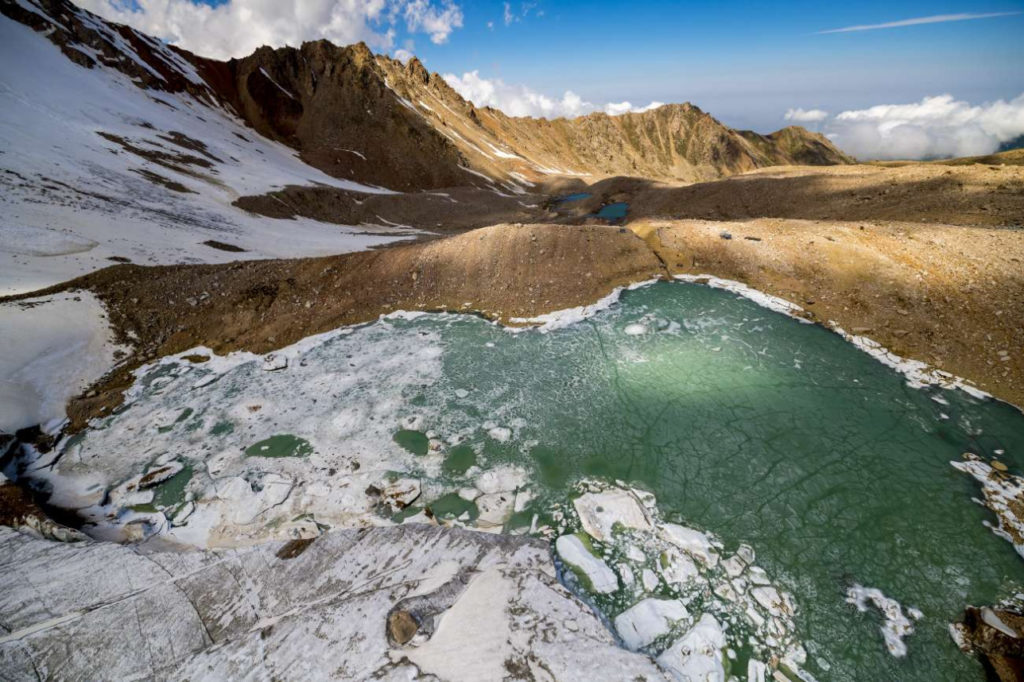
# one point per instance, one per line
(645, 621)
(52, 348)
(70, 199)
(896, 624)
(572, 551)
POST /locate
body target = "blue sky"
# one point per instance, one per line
(745, 62)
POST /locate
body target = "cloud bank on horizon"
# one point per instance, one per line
(935, 127)
(237, 27)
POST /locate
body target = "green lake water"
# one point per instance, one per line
(741, 421)
(765, 431)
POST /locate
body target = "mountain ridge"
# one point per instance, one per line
(369, 118)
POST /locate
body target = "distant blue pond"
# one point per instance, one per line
(573, 197)
(616, 211)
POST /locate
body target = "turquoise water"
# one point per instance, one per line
(614, 212)
(573, 197)
(741, 421)
(769, 432)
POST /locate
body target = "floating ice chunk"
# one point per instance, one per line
(599, 512)
(573, 552)
(469, 494)
(495, 508)
(523, 499)
(1003, 492)
(693, 542)
(734, 566)
(635, 329)
(771, 601)
(400, 494)
(896, 625)
(678, 568)
(697, 655)
(647, 620)
(756, 671)
(461, 393)
(649, 579)
(626, 574)
(500, 433)
(274, 361)
(500, 479)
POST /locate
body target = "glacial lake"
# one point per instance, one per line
(742, 422)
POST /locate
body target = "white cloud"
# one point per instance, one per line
(403, 55)
(237, 27)
(935, 19)
(512, 17)
(438, 23)
(519, 100)
(934, 127)
(617, 108)
(806, 115)
(515, 100)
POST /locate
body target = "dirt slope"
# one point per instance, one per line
(501, 272)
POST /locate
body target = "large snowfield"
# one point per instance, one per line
(70, 199)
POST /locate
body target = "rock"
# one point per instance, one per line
(402, 626)
(598, 512)
(996, 636)
(725, 235)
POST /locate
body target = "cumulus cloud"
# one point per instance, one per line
(437, 22)
(935, 127)
(806, 115)
(515, 100)
(616, 108)
(519, 100)
(238, 27)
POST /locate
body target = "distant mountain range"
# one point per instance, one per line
(371, 119)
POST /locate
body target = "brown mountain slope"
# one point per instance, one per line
(372, 119)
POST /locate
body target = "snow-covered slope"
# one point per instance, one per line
(95, 168)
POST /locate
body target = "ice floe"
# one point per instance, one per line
(1004, 495)
(897, 624)
(692, 600)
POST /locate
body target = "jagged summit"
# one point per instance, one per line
(372, 119)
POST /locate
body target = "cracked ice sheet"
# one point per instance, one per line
(53, 348)
(70, 199)
(318, 615)
(695, 608)
(342, 391)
